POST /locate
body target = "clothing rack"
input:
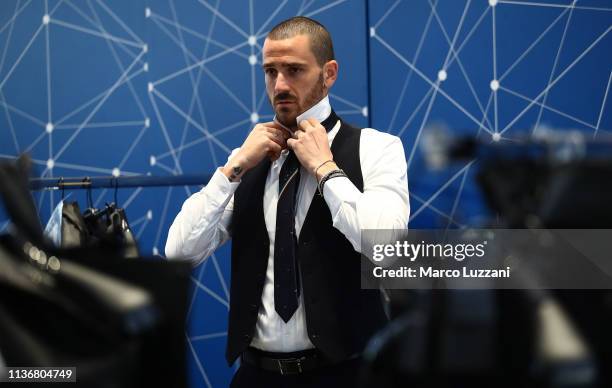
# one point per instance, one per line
(112, 182)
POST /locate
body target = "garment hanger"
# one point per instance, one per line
(87, 182)
(116, 182)
(117, 216)
(119, 224)
(60, 184)
(90, 211)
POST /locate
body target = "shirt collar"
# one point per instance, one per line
(319, 111)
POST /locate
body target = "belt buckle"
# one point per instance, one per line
(289, 365)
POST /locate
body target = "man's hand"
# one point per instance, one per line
(311, 145)
(266, 139)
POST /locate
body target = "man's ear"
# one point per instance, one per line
(330, 73)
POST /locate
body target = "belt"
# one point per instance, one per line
(287, 363)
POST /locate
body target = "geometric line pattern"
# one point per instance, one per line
(164, 87)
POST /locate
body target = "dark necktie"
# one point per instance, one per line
(286, 282)
(286, 273)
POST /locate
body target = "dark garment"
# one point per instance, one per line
(343, 374)
(74, 230)
(340, 316)
(108, 227)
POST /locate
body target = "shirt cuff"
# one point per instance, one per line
(338, 191)
(219, 189)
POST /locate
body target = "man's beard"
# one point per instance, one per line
(314, 95)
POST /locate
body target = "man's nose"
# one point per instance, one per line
(280, 85)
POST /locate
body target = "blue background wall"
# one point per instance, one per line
(170, 87)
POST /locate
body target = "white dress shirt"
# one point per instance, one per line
(203, 223)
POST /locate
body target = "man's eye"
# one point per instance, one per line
(294, 70)
(270, 71)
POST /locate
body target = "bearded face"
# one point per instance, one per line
(294, 79)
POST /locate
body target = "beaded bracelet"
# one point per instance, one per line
(332, 174)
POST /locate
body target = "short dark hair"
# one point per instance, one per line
(320, 39)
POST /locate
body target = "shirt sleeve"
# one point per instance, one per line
(384, 203)
(203, 224)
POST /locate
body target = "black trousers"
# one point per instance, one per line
(343, 374)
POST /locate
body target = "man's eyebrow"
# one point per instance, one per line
(284, 64)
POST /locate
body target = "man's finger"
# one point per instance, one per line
(314, 122)
(291, 143)
(305, 125)
(275, 125)
(298, 135)
(281, 128)
(286, 134)
(275, 147)
(277, 136)
(315, 125)
(278, 125)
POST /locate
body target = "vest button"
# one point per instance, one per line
(315, 335)
(246, 337)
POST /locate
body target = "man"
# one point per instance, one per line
(294, 199)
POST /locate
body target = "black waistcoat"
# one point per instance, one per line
(340, 316)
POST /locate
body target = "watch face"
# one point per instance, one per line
(237, 170)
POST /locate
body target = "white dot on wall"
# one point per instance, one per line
(145, 48)
(147, 12)
(46, 19)
(145, 67)
(496, 137)
(492, 3)
(116, 172)
(50, 163)
(150, 87)
(494, 85)
(254, 117)
(252, 60)
(442, 75)
(372, 31)
(364, 111)
(49, 127)
(152, 160)
(149, 214)
(155, 251)
(147, 122)
(252, 40)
